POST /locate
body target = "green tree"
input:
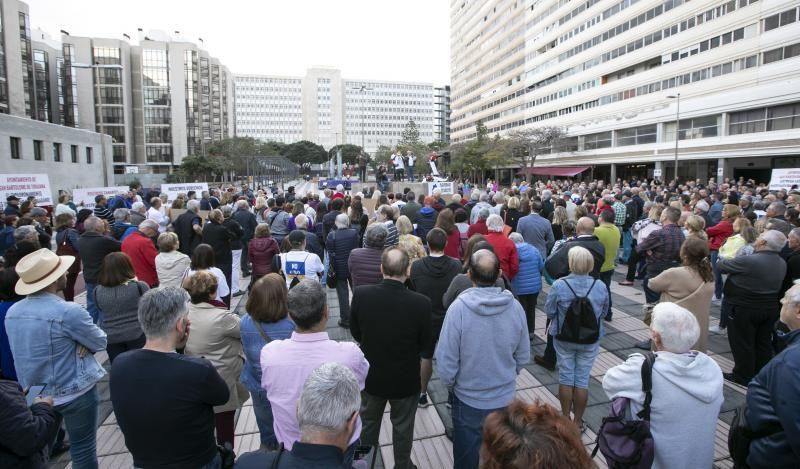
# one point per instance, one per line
(410, 135)
(303, 152)
(349, 152)
(480, 132)
(204, 167)
(437, 145)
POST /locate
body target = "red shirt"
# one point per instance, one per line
(337, 195)
(718, 233)
(479, 227)
(453, 246)
(143, 254)
(506, 252)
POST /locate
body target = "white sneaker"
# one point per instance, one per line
(716, 302)
(716, 330)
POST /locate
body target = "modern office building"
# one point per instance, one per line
(616, 76)
(327, 109)
(161, 99)
(441, 116)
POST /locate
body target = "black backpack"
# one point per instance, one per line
(581, 325)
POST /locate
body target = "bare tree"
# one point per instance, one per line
(524, 146)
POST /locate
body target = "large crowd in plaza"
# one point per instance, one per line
(423, 282)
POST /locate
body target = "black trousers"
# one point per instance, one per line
(245, 262)
(550, 349)
(633, 261)
(119, 347)
(750, 337)
(528, 303)
(605, 277)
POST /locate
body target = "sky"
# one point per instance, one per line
(403, 40)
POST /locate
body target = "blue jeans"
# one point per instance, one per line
(80, 418)
(264, 419)
(467, 433)
(94, 311)
(575, 362)
(627, 241)
(717, 275)
(410, 173)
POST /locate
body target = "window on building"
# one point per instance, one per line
(784, 117)
(16, 151)
(73, 151)
(636, 135)
(56, 151)
(747, 122)
(699, 127)
(595, 141)
(88, 155)
(38, 150)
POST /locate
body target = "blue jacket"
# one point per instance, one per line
(253, 342)
(44, 333)
(772, 398)
(537, 232)
(560, 298)
(339, 244)
(529, 278)
(426, 221)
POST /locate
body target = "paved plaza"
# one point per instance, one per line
(432, 449)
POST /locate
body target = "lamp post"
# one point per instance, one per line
(677, 98)
(362, 89)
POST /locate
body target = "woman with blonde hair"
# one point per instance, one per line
(216, 336)
(408, 241)
(260, 208)
(559, 217)
(510, 213)
(695, 227)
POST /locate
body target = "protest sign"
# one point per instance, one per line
(784, 178)
(84, 197)
(24, 186)
(445, 187)
(172, 190)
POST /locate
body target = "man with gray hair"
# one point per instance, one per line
(479, 227)
(138, 213)
(141, 249)
(189, 228)
(122, 227)
(476, 210)
(688, 385)
(94, 245)
(41, 221)
(481, 372)
(753, 292)
(286, 364)
(164, 401)
(327, 413)
(365, 263)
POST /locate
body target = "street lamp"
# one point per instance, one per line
(96, 67)
(362, 89)
(677, 98)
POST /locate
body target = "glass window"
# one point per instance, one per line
(636, 135)
(38, 150)
(746, 122)
(56, 152)
(16, 151)
(88, 155)
(789, 17)
(791, 51)
(599, 140)
(73, 151)
(771, 22)
(784, 117)
(118, 152)
(773, 55)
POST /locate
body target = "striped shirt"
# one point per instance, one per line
(103, 213)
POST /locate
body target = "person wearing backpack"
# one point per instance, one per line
(686, 391)
(575, 306)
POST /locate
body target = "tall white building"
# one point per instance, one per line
(327, 109)
(609, 73)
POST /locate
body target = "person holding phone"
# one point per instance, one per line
(27, 426)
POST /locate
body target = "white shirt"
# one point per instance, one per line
(398, 162)
(158, 217)
(411, 160)
(222, 283)
(64, 208)
(301, 265)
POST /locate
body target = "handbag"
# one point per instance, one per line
(647, 308)
(629, 443)
(330, 278)
(741, 436)
(65, 249)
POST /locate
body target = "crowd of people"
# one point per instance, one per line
(421, 280)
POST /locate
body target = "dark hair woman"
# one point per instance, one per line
(117, 297)
(203, 258)
(67, 245)
(219, 237)
(447, 222)
(266, 320)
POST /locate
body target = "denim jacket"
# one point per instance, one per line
(560, 298)
(44, 332)
(252, 342)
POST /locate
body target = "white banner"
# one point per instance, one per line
(434, 171)
(172, 190)
(84, 197)
(24, 186)
(784, 179)
(445, 187)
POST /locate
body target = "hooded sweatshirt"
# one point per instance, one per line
(483, 345)
(431, 276)
(687, 396)
(171, 268)
(260, 252)
(426, 220)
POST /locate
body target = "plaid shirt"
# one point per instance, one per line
(664, 244)
(619, 213)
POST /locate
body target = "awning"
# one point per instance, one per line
(566, 171)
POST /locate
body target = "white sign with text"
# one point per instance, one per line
(172, 190)
(24, 186)
(445, 187)
(784, 178)
(84, 197)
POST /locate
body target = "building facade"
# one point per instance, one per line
(622, 78)
(329, 110)
(441, 116)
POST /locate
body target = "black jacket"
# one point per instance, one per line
(94, 248)
(557, 265)
(411, 210)
(301, 456)
(248, 223)
(339, 244)
(25, 433)
(236, 230)
(188, 239)
(219, 238)
(393, 326)
(754, 281)
(313, 245)
(432, 276)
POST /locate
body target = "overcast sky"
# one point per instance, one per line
(404, 40)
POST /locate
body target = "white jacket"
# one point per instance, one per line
(687, 396)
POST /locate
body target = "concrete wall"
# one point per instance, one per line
(65, 174)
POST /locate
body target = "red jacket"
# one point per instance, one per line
(260, 252)
(479, 227)
(718, 233)
(453, 246)
(506, 251)
(143, 254)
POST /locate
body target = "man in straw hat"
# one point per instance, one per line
(53, 342)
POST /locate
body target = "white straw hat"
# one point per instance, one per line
(40, 269)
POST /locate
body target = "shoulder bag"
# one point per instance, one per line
(330, 279)
(647, 308)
